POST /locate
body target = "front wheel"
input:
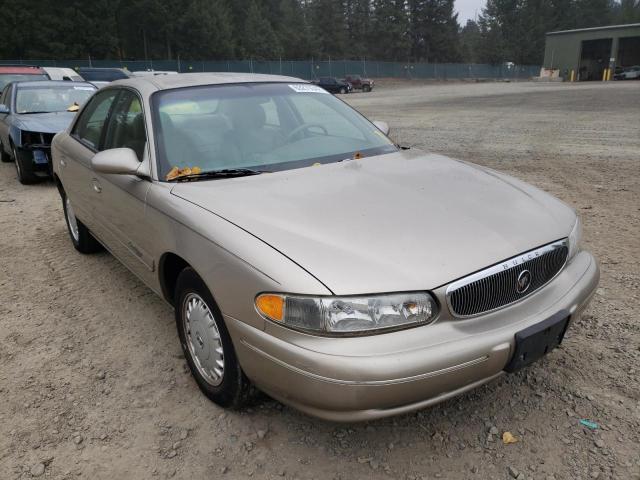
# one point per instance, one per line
(366, 88)
(343, 90)
(206, 343)
(80, 235)
(4, 156)
(24, 169)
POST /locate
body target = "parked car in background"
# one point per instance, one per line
(151, 73)
(333, 85)
(102, 76)
(18, 73)
(60, 73)
(629, 73)
(360, 83)
(31, 113)
(305, 252)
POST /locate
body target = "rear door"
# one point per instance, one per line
(120, 199)
(75, 152)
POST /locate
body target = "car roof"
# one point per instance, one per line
(59, 69)
(53, 83)
(166, 82)
(22, 70)
(102, 69)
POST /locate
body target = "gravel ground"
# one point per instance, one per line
(93, 384)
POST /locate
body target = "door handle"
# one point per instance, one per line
(96, 186)
(63, 163)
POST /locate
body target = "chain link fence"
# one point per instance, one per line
(310, 69)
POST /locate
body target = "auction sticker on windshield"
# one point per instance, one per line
(306, 88)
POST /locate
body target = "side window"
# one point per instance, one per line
(89, 127)
(125, 128)
(4, 95)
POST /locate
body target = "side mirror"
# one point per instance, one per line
(4, 110)
(382, 126)
(118, 161)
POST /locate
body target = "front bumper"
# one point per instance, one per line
(37, 158)
(363, 378)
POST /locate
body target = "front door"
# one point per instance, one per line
(5, 99)
(75, 154)
(120, 199)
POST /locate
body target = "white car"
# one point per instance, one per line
(151, 73)
(59, 73)
(629, 73)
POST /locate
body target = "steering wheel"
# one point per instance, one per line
(305, 127)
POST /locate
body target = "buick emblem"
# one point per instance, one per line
(524, 281)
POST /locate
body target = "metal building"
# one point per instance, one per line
(589, 51)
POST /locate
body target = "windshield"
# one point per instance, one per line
(47, 98)
(6, 78)
(264, 126)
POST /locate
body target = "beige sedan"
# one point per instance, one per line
(307, 254)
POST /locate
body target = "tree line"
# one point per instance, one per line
(394, 30)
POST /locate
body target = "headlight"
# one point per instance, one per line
(575, 238)
(30, 138)
(348, 315)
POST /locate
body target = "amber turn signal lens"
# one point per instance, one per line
(271, 306)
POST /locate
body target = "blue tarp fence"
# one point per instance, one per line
(310, 69)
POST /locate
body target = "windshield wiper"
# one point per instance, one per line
(29, 113)
(224, 173)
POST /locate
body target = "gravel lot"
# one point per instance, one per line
(93, 384)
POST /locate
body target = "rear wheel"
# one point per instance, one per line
(80, 235)
(206, 343)
(24, 169)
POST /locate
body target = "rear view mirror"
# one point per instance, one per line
(4, 109)
(118, 161)
(382, 126)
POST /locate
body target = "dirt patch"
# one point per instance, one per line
(94, 385)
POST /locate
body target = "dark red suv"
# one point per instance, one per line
(359, 83)
(20, 73)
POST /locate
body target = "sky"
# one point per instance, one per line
(467, 9)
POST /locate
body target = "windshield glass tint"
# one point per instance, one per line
(6, 78)
(264, 126)
(102, 75)
(33, 99)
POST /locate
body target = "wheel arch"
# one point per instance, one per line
(169, 267)
(58, 182)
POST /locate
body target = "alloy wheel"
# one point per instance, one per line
(17, 162)
(71, 220)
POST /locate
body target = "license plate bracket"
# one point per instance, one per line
(536, 341)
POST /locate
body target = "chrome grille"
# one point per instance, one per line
(502, 284)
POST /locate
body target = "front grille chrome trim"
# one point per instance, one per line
(477, 285)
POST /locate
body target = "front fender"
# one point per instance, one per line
(14, 135)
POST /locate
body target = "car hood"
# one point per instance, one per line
(401, 221)
(53, 122)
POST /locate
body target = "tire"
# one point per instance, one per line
(366, 88)
(343, 90)
(206, 343)
(80, 235)
(4, 156)
(23, 170)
